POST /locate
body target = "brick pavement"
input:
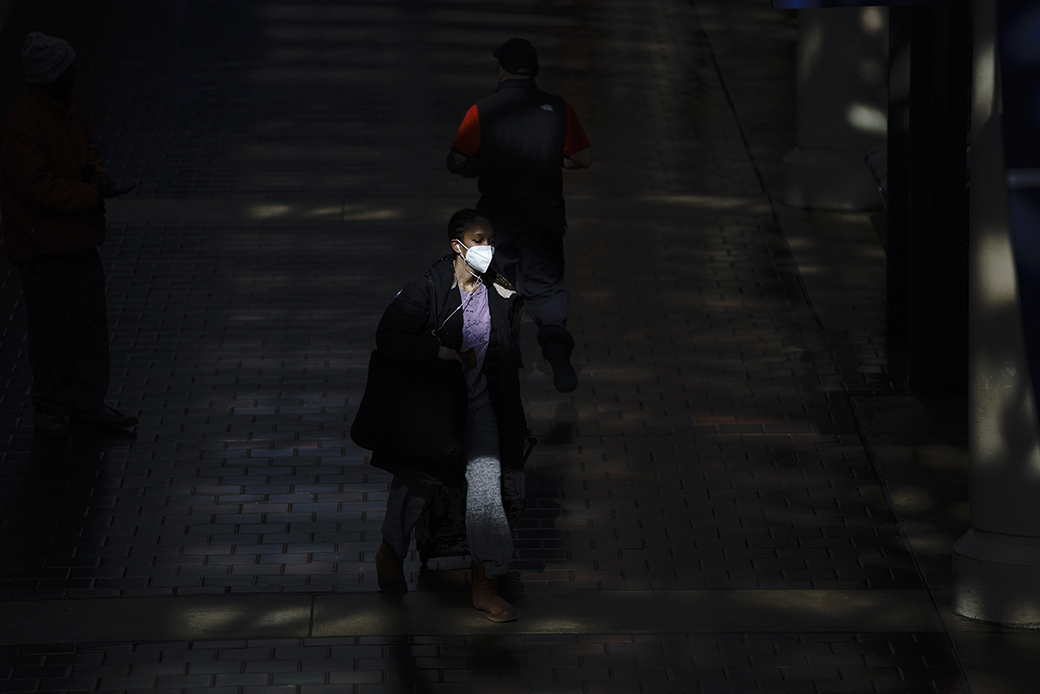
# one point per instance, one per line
(710, 445)
(884, 663)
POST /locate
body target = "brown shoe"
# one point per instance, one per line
(486, 597)
(390, 570)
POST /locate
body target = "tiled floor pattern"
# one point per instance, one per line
(902, 663)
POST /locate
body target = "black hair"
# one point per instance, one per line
(460, 221)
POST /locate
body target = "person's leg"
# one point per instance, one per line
(490, 540)
(542, 267)
(407, 500)
(89, 383)
(47, 290)
(547, 301)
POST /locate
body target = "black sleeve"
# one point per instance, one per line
(403, 332)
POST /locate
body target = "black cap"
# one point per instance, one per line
(517, 57)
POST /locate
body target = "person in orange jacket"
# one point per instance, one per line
(52, 191)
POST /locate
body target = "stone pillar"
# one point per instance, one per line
(842, 101)
(996, 564)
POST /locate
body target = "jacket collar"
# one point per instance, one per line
(446, 267)
(518, 83)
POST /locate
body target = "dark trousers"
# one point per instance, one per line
(533, 264)
(67, 332)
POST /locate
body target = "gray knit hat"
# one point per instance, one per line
(45, 57)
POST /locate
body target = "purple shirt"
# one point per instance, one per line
(476, 331)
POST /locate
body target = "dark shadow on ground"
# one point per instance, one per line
(48, 532)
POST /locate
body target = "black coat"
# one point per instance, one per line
(405, 333)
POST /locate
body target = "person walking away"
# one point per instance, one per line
(516, 143)
(477, 322)
(52, 192)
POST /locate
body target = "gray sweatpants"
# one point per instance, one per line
(490, 541)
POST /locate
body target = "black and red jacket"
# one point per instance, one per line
(520, 135)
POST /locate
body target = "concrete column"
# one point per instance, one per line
(842, 101)
(996, 564)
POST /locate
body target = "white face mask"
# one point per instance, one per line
(478, 257)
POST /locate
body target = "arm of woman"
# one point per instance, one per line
(403, 332)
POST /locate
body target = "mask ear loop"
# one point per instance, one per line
(479, 279)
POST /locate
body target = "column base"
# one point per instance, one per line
(823, 179)
(996, 578)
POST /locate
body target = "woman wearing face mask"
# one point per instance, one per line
(479, 318)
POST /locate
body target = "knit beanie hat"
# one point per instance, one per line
(45, 57)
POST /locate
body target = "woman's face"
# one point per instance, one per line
(478, 233)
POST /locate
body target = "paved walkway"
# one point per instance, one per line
(706, 511)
